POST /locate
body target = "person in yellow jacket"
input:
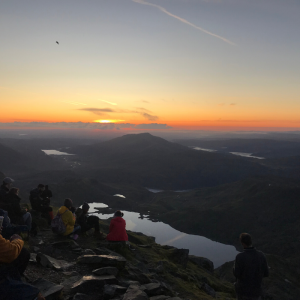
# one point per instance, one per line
(13, 262)
(69, 219)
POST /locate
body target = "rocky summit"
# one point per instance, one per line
(93, 269)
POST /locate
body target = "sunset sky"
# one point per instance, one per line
(187, 64)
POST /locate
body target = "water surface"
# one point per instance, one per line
(164, 234)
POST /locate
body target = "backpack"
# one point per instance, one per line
(58, 225)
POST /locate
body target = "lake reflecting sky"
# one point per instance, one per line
(166, 235)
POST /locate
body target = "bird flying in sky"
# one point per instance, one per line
(57, 42)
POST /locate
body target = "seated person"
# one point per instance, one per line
(40, 204)
(11, 203)
(5, 187)
(87, 222)
(13, 262)
(69, 219)
(8, 229)
(117, 228)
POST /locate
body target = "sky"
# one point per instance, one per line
(155, 64)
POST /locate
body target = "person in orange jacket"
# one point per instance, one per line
(13, 262)
(117, 228)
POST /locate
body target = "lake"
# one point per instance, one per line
(56, 152)
(164, 234)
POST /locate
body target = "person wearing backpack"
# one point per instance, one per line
(69, 219)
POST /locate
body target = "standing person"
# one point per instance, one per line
(87, 222)
(117, 228)
(69, 219)
(13, 262)
(250, 267)
(17, 215)
(38, 203)
(5, 187)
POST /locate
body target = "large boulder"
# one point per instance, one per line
(103, 260)
(208, 290)
(87, 283)
(48, 289)
(202, 262)
(50, 262)
(135, 293)
(153, 289)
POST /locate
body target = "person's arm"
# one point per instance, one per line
(111, 226)
(10, 250)
(71, 218)
(265, 267)
(237, 268)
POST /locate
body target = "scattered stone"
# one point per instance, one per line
(145, 246)
(106, 271)
(153, 289)
(128, 283)
(65, 244)
(93, 283)
(102, 251)
(47, 288)
(103, 260)
(80, 296)
(70, 274)
(180, 256)
(69, 282)
(134, 293)
(109, 291)
(174, 298)
(202, 262)
(208, 290)
(160, 297)
(88, 252)
(50, 262)
(36, 249)
(32, 258)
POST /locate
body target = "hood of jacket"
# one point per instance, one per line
(62, 209)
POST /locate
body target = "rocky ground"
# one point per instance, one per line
(93, 269)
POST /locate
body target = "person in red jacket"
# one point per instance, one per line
(117, 228)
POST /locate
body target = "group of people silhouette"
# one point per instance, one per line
(250, 266)
(16, 220)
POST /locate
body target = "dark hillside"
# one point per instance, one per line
(154, 162)
(267, 148)
(266, 207)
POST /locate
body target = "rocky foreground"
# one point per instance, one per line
(94, 269)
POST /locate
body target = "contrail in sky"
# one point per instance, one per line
(109, 102)
(184, 21)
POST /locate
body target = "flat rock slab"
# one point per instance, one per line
(93, 283)
(153, 289)
(66, 244)
(32, 258)
(47, 288)
(50, 262)
(160, 297)
(106, 271)
(135, 294)
(80, 296)
(103, 260)
(127, 283)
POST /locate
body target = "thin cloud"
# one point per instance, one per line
(98, 111)
(82, 125)
(232, 104)
(143, 109)
(184, 21)
(109, 102)
(149, 117)
(152, 126)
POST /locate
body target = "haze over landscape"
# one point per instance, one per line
(184, 114)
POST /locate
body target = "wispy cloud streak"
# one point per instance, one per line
(184, 21)
(109, 102)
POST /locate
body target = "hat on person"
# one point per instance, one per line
(85, 206)
(8, 180)
(68, 203)
(118, 213)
